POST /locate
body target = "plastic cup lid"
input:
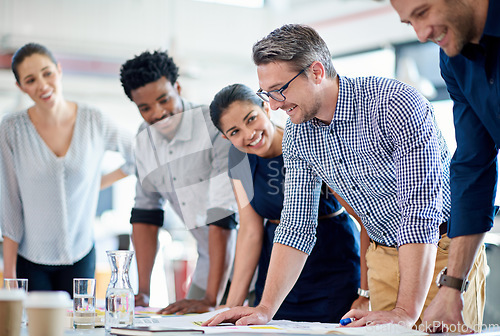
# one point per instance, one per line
(12, 294)
(48, 299)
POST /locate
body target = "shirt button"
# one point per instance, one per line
(341, 161)
(183, 203)
(170, 152)
(331, 131)
(492, 81)
(174, 178)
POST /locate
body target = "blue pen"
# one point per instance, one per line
(346, 321)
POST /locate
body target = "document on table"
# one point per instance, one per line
(193, 321)
(378, 330)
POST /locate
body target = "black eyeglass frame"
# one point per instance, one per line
(264, 95)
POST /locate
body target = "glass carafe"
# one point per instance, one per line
(119, 295)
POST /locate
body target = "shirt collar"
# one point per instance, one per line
(492, 26)
(185, 130)
(345, 104)
(491, 31)
(345, 100)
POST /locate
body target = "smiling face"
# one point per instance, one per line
(449, 23)
(301, 104)
(160, 104)
(40, 78)
(249, 129)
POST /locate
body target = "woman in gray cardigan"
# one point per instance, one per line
(50, 164)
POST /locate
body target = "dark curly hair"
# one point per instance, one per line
(146, 68)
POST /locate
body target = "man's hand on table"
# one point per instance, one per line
(241, 316)
(445, 310)
(363, 317)
(188, 306)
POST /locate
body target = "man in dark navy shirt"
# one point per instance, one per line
(468, 32)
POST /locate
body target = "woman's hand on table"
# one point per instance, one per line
(361, 303)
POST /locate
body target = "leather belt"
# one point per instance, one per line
(331, 215)
(443, 228)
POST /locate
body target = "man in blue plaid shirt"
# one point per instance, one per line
(468, 33)
(375, 142)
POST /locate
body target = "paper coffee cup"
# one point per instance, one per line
(47, 313)
(11, 311)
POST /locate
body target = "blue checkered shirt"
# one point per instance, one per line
(382, 153)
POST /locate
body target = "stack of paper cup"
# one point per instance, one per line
(47, 313)
(11, 311)
(11, 284)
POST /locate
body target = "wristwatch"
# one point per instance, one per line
(449, 281)
(364, 293)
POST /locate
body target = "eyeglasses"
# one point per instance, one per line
(276, 94)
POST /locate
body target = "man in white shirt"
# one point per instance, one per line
(182, 159)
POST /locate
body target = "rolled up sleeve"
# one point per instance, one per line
(299, 217)
(419, 168)
(119, 140)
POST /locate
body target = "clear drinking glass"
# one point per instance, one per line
(16, 284)
(83, 303)
(11, 284)
(120, 300)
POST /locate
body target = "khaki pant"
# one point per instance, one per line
(383, 281)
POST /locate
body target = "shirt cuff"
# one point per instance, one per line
(302, 241)
(459, 224)
(149, 216)
(222, 217)
(128, 168)
(419, 232)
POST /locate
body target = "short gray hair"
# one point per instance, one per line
(298, 44)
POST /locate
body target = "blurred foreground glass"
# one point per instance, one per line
(17, 284)
(120, 300)
(11, 311)
(83, 303)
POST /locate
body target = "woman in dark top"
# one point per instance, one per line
(327, 286)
